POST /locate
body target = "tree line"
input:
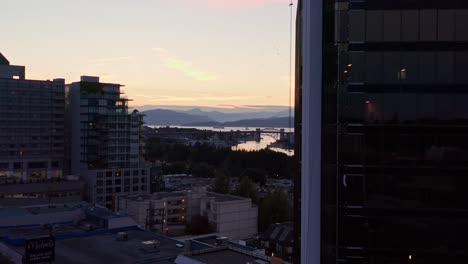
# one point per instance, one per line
(250, 168)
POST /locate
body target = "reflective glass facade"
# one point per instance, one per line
(402, 141)
(395, 132)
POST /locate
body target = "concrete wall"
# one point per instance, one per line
(311, 131)
(234, 219)
(120, 222)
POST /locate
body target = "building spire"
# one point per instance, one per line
(3, 60)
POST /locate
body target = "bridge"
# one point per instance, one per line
(277, 134)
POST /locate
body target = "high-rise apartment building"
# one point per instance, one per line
(31, 126)
(384, 131)
(105, 145)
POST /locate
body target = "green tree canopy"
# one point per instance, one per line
(274, 208)
(221, 183)
(247, 189)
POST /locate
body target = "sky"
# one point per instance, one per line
(226, 53)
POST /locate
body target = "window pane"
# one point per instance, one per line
(374, 26)
(427, 67)
(410, 66)
(357, 69)
(461, 67)
(392, 25)
(410, 28)
(445, 71)
(392, 67)
(462, 25)
(374, 67)
(428, 22)
(446, 25)
(357, 20)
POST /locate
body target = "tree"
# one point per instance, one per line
(203, 170)
(174, 168)
(247, 189)
(257, 175)
(221, 183)
(274, 208)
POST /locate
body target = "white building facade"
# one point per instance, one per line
(231, 216)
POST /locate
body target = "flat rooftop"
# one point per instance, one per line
(226, 256)
(37, 210)
(224, 197)
(103, 247)
(154, 196)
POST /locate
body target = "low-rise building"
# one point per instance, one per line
(65, 190)
(218, 249)
(231, 216)
(88, 235)
(162, 212)
(278, 240)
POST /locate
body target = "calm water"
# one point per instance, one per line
(248, 145)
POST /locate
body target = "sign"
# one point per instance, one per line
(39, 250)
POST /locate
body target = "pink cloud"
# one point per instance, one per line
(235, 3)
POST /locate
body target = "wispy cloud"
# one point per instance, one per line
(143, 96)
(234, 3)
(114, 59)
(105, 62)
(202, 98)
(186, 67)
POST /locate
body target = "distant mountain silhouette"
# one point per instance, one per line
(219, 116)
(158, 117)
(263, 122)
(179, 117)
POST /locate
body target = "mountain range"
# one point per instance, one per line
(215, 117)
(263, 122)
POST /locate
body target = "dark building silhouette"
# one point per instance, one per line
(384, 131)
(278, 240)
(31, 126)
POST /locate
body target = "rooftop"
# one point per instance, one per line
(37, 210)
(226, 255)
(282, 233)
(224, 197)
(105, 248)
(38, 187)
(79, 247)
(154, 196)
(161, 195)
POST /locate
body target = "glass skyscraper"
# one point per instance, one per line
(384, 130)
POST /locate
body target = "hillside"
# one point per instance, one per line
(263, 122)
(160, 117)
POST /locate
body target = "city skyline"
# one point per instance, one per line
(143, 47)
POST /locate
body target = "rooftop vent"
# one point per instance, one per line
(150, 246)
(122, 236)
